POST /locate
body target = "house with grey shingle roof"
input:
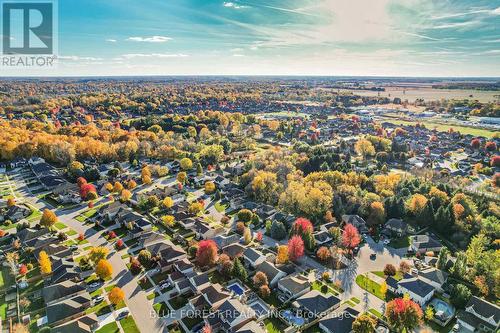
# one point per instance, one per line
(293, 286)
(480, 316)
(418, 290)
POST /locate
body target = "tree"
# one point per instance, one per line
(125, 195)
(117, 187)
(383, 288)
(116, 295)
(186, 163)
(302, 226)
(24, 303)
(104, 270)
(377, 212)
(336, 234)
(389, 270)
(86, 189)
(429, 313)
(195, 207)
(350, 236)
(206, 255)
(199, 169)
(45, 263)
(247, 236)
(282, 256)
(442, 258)
(20, 328)
(209, 187)
(48, 219)
(23, 270)
(168, 202)
(295, 248)
(239, 270)
(135, 266)
(131, 184)
(482, 285)
(145, 257)
(364, 148)
(109, 187)
(264, 291)
(404, 267)
(225, 265)
(476, 248)
(278, 230)
(168, 220)
(323, 253)
(181, 177)
(475, 143)
(245, 215)
(97, 253)
(11, 202)
(260, 279)
(364, 324)
(460, 295)
(416, 204)
(459, 268)
(403, 314)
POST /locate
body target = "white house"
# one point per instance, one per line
(418, 290)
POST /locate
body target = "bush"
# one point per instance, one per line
(389, 270)
(240, 228)
(245, 215)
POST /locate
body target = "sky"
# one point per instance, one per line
(277, 37)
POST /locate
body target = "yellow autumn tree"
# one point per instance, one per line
(98, 253)
(364, 148)
(104, 270)
(209, 187)
(45, 263)
(416, 203)
(168, 202)
(186, 163)
(116, 295)
(117, 187)
(282, 257)
(48, 219)
(125, 195)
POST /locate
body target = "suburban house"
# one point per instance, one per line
(272, 272)
(251, 327)
(253, 258)
(15, 213)
(234, 250)
(395, 227)
(86, 324)
(418, 290)
(480, 316)
(340, 322)
(322, 237)
(356, 221)
(232, 315)
(424, 243)
(433, 276)
(293, 286)
(225, 240)
(58, 292)
(215, 294)
(68, 309)
(316, 304)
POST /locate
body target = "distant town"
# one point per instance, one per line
(249, 204)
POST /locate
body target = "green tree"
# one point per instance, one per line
(460, 296)
(364, 324)
(278, 230)
(442, 258)
(239, 270)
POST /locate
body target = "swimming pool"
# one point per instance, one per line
(441, 306)
(293, 319)
(236, 288)
(259, 308)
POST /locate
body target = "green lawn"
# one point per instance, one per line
(220, 207)
(99, 309)
(71, 232)
(60, 226)
(161, 308)
(399, 243)
(3, 308)
(376, 313)
(274, 325)
(129, 326)
(370, 286)
(109, 328)
(398, 275)
(323, 288)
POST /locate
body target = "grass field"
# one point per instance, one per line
(443, 127)
(109, 328)
(370, 286)
(129, 325)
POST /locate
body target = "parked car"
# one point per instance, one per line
(164, 285)
(123, 315)
(373, 256)
(355, 250)
(94, 285)
(455, 328)
(98, 299)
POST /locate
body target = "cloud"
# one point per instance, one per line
(152, 39)
(238, 55)
(233, 5)
(154, 55)
(455, 25)
(78, 58)
(111, 40)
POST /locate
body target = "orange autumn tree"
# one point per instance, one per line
(104, 270)
(206, 255)
(116, 295)
(403, 314)
(48, 219)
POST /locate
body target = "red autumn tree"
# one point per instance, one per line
(259, 236)
(206, 255)
(81, 181)
(350, 236)
(403, 314)
(475, 143)
(119, 244)
(81, 237)
(23, 269)
(111, 235)
(85, 189)
(295, 248)
(302, 226)
(490, 146)
(495, 161)
(323, 253)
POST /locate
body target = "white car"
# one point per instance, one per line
(386, 241)
(165, 285)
